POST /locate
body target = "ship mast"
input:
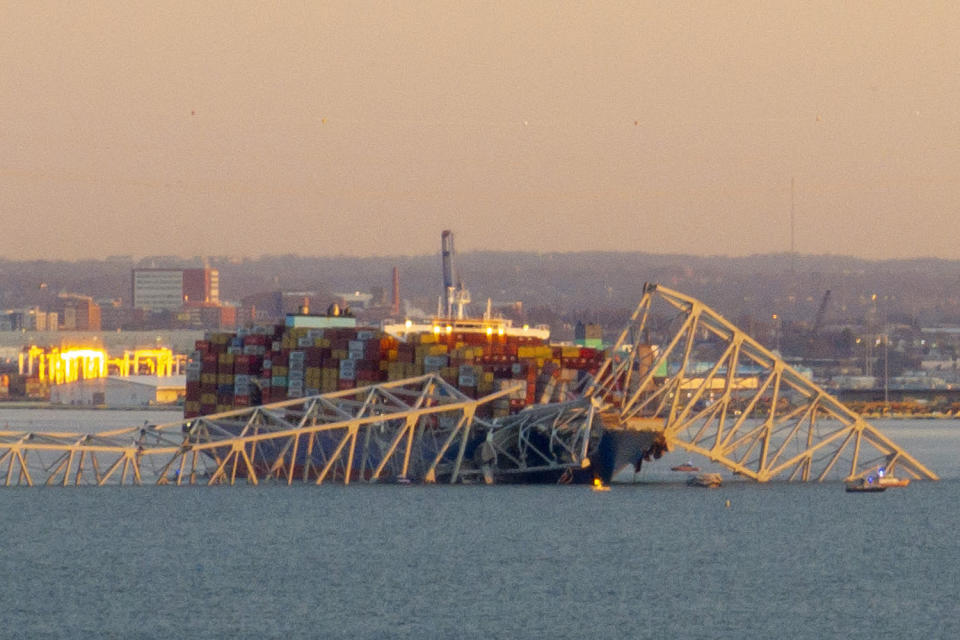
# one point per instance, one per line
(454, 293)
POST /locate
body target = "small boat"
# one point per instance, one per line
(867, 484)
(687, 466)
(705, 480)
(887, 481)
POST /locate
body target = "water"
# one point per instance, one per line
(645, 561)
(82, 420)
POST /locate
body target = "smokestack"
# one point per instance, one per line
(396, 291)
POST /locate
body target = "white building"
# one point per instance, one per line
(157, 289)
(121, 393)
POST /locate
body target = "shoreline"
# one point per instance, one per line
(26, 404)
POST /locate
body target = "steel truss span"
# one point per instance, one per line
(679, 376)
(715, 391)
(414, 430)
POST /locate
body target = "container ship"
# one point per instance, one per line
(313, 354)
(303, 358)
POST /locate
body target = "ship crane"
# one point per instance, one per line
(454, 293)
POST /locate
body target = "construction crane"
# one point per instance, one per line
(821, 312)
(455, 294)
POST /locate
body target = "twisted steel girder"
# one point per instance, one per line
(416, 429)
(720, 393)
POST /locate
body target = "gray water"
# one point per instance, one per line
(650, 560)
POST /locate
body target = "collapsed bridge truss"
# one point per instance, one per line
(679, 372)
(413, 429)
(715, 391)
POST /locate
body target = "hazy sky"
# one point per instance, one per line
(317, 128)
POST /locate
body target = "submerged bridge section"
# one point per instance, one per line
(679, 376)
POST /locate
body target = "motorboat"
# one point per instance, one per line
(686, 466)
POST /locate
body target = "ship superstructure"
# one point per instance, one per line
(454, 297)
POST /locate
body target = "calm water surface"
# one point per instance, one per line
(651, 560)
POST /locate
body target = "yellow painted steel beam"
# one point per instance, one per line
(786, 425)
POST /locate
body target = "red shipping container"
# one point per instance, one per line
(241, 364)
(367, 365)
(209, 363)
(313, 357)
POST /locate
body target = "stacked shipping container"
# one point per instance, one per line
(229, 371)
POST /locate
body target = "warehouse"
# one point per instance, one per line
(117, 392)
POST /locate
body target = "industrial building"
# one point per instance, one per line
(78, 313)
(121, 393)
(170, 289)
(30, 319)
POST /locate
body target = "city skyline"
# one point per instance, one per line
(365, 128)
